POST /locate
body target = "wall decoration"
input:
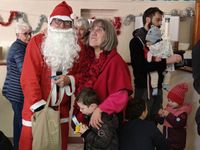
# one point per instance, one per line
(117, 24)
(22, 15)
(117, 21)
(128, 19)
(17, 15)
(174, 12)
(190, 11)
(183, 14)
(12, 16)
(43, 19)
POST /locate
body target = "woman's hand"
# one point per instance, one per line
(62, 80)
(95, 120)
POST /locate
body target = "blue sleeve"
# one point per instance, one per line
(19, 57)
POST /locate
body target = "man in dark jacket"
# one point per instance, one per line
(142, 68)
(12, 88)
(196, 76)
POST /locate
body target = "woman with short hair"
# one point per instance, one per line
(108, 74)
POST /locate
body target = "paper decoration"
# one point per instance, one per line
(117, 24)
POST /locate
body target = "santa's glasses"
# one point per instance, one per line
(60, 21)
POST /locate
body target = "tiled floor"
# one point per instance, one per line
(75, 147)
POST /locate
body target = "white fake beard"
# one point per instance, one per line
(60, 49)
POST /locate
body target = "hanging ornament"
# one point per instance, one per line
(183, 15)
(43, 19)
(190, 11)
(12, 16)
(23, 16)
(117, 24)
(130, 18)
(174, 12)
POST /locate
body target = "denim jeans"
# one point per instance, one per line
(17, 122)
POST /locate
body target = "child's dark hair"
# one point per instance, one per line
(88, 96)
(135, 108)
(150, 12)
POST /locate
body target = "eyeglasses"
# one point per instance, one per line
(27, 33)
(60, 21)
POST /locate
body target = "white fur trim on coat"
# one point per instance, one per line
(64, 18)
(37, 105)
(69, 91)
(29, 123)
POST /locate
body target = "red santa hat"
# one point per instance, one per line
(177, 93)
(62, 11)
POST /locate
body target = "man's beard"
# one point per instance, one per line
(60, 49)
(151, 23)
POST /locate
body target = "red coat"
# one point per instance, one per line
(36, 85)
(114, 76)
(80, 73)
(81, 67)
(108, 75)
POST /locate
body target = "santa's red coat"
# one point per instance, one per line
(36, 85)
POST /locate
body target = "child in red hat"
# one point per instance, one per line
(174, 117)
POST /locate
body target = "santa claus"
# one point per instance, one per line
(48, 55)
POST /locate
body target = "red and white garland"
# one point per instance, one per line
(13, 15)
(16, 15)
